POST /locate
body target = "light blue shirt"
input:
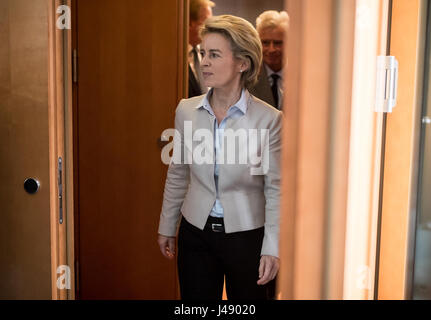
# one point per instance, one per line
(234, 112)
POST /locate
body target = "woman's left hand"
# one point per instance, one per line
(268, 269)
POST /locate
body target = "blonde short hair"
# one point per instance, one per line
(272, 19)
(244, 41)
(196, 5)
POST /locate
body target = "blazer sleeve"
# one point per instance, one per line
(272, 190)
(177, 181)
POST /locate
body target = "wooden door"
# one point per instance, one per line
(25, 254)
(130, 79)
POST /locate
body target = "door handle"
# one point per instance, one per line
(31, 185)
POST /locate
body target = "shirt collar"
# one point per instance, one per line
(241, 104)
(269, 71)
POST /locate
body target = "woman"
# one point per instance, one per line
(230, 223)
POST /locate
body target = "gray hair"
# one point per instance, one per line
(272, 19)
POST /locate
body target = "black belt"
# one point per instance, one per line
(215, 224)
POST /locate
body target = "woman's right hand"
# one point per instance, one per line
(167, 246)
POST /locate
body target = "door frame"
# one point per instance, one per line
(402, 152)
(60, 142)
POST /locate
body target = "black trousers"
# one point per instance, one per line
(206, 258)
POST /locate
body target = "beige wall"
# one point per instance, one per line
(315, 149)
(330, 166)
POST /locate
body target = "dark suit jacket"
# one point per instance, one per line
(194, 87)
(262, 89)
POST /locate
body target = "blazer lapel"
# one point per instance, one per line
(205, 120)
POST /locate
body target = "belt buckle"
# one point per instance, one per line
(214, 225)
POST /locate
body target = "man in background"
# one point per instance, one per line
(200, 10)
(271, 26)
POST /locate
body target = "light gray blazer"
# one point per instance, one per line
(249, 201)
